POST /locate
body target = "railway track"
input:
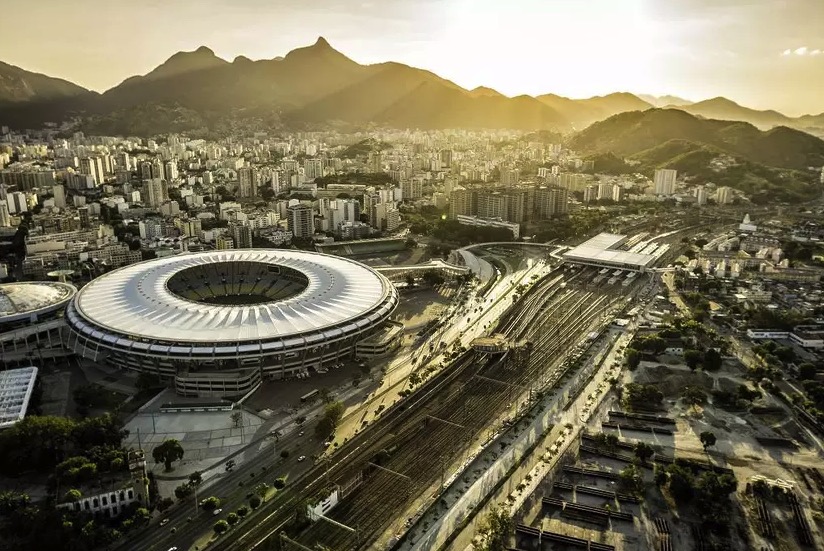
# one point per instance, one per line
(476, 399)
(425, 434)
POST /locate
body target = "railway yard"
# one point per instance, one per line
(383, 485)
(402, 459)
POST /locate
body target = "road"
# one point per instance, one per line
(190, 523)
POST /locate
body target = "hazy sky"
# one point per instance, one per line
(761, 53)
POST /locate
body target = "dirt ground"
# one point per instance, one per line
(797, 462)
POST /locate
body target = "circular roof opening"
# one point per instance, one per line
(235, 283)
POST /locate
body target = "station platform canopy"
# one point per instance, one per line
(603, 251)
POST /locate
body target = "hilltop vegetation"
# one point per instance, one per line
(771, 165)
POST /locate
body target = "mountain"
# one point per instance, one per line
(307, 88)
(723, 108)
(583, 112)
(19, 85)
(483, 91)
(769, 165)
(180, 64)
(664, 101)
(314, 87)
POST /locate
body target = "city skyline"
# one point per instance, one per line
(765, 55)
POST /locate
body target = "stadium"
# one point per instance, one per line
(31, 319)
(218, 322)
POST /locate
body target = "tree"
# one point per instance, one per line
(242, 511)
(644, 397)
(221, 527)
(280, 483)
(325, 396)
(165, 503)
(183, 491)
(693, 396)
(332, 414)
(807, 371)
(261, 490)
(167, 452)
(692, 358)
(254, 502)
(631, 479)
(495, 530)
(707, 439)
(712, 360)
(643, 451)
(11, 501)
(195, 478)
(210, 503)
(284, 454)
(680, 483)
(232, 519)
(73, 495)
(141, 516)
(633, 358)
(237, 418)
(410, 280)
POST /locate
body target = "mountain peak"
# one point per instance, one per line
(187, 62)
(321, 50)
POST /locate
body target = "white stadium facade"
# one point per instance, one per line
(219, 322)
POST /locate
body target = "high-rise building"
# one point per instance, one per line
(242, 236)
(193, 227)
(224, 242)
(350, 209)
(301, 221)
(312, 168)
(85, 220)
(617, 193)
(604, 190)
(170, 170)
(59, 196)
(5, 215)
(665, 181)
(700, 196)
(375, 162)
(247, 183)
(463, 202)
(386, 217)
(590, 193)
(144, 171)
(551, 202)
(155, 192)
(17, 202)
(510, 176)
(492, 205)
(93, 166)
(446, 157)
(150, 229)
(412, 188)
(723, 195)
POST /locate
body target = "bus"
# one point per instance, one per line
(309, 396)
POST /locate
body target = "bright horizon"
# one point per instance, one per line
(763, 54)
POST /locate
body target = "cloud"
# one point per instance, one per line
(803, 51)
